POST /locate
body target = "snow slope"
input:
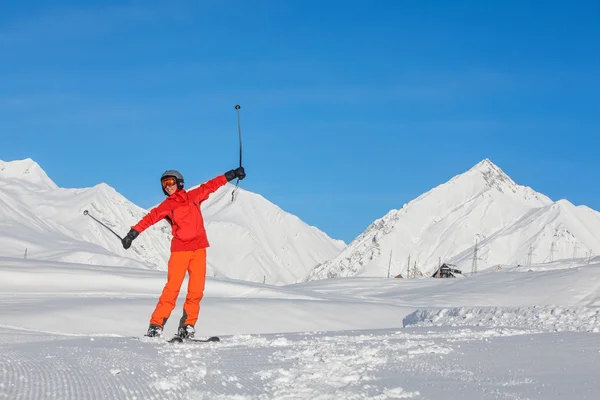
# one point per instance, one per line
(42, 221)
(73, 331)
(483, 207)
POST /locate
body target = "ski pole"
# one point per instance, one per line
(237, 107)
(85, 212)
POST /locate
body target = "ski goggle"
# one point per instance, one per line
(168, 182)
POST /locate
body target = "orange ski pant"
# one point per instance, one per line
(180, 262)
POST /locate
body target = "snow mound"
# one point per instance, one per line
(544, 318)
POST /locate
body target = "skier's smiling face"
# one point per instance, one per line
(170, 185)
(171, 189)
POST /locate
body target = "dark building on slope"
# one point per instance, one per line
(446, 271)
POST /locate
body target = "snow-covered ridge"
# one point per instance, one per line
(482, 208)
(39, 220)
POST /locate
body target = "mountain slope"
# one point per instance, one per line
(482, 205)
(251, 238)
(269, 244)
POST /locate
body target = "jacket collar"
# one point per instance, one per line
(180, 196)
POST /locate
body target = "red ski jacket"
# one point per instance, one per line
(182, 211)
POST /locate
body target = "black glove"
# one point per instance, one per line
(129, 238)
(235, 173)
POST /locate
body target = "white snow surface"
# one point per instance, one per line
(483, 208)
(41, 221)
(74, 331)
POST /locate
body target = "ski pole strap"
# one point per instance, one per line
(85, 212)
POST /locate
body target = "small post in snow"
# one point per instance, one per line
(529, 255)
(552, 250)
(474, 264)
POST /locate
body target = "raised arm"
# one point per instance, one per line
(202, 192)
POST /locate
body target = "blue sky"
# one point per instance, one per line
(348, 109)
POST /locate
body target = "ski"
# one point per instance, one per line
(179, 339)
(175, 339)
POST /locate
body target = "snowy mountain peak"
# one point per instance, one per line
(26, 170)
(486, 165)
(494, 177)
(512, 223)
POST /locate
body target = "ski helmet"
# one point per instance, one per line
(175, 174)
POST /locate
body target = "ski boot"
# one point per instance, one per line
(186, 331)
(154, 331)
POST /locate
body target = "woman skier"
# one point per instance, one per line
(188, 246)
